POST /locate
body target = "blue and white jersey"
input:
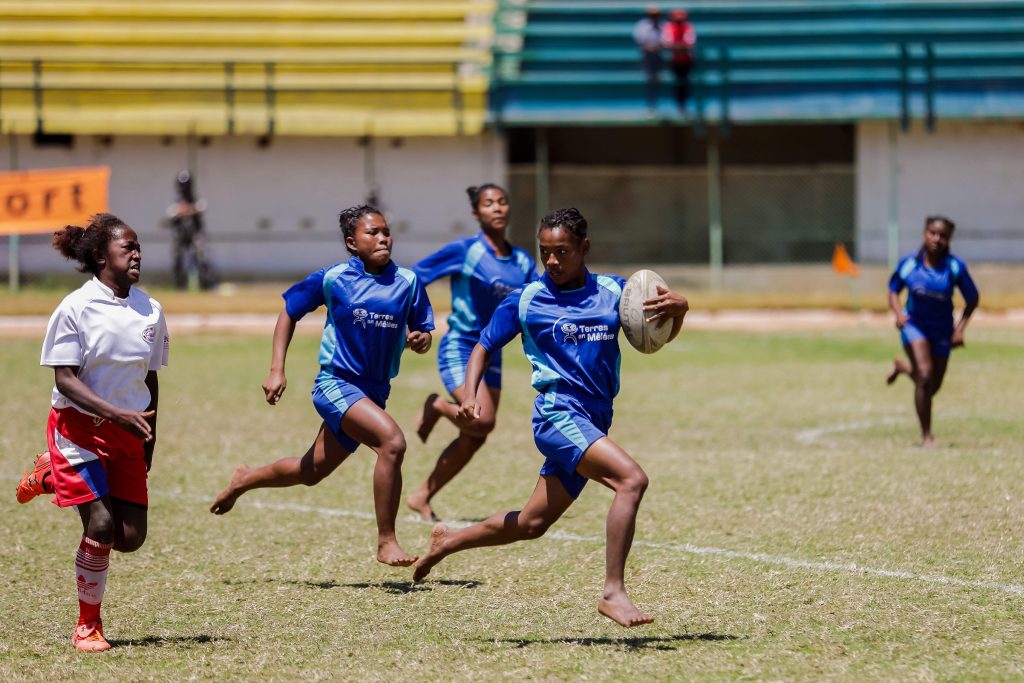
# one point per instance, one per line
(367, 316)
(930, 290)
(570, 337)
(480, 279)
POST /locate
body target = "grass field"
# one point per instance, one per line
(792, 530)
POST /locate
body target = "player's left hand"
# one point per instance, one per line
(958, 338)
(666, 306)
(418, 341)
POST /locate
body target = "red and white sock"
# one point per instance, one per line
(91, 571)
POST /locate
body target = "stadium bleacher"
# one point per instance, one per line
(260, 67)
(765, 61)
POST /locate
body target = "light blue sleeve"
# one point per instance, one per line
(445, 261)
(899, 276)
(504, 325)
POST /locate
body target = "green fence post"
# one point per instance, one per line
(894, 197)
(542, 180)
(714, 210)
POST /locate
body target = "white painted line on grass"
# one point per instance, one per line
(690, 549)
(814, 435)
(686, 548)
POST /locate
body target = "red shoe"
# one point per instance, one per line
(38, 481)
(88, 637)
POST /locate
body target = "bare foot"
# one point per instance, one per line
(390, 553)
(895, 372)
(429, 416)
(435, 553)
(226, 499)
(928, 441)
(620, 609)
(417, 502)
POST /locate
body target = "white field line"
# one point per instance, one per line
(690, 549)
(684, 548)
(814, 435)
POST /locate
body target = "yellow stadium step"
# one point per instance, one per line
(185, 33)
(248, 9)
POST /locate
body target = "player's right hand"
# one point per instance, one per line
(469, 410)
(274, 386)
(901, 320)
(135, 422)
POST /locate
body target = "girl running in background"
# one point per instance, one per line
(483, 269)
(374, 310)
(569, 321)
(926, 324)
(105, 343)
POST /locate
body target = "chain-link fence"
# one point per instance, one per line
(792, 214)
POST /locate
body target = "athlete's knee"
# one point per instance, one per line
(393, 447)
(130, 541)
(533, 527)
(100, 525)
(634, 484)
(924, 375)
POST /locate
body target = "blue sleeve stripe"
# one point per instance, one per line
(463, 316)
(907, 267)
(543, 375)
(473, 256)
(329, 340)
(561, 420)
(611, 285)
(954, 268)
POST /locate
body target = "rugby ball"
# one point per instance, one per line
(643, 336)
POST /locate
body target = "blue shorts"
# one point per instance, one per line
(563, 429)
(941, 343)
(333, 396)
(452, 357)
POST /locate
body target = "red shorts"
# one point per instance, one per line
(92, 457)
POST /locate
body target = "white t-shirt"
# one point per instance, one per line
(115, 343)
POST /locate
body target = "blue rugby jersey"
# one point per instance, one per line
(570, 337)
(367, 316)
(930, 290)
(479, 280)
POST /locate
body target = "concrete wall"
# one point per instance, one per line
(274, 210)
(971, 172)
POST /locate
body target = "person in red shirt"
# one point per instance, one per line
(680, 38)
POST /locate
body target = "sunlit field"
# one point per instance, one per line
(793, 530)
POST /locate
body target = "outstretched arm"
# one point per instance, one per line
(668, 305)
(478, 360)
(133, 421)
(961, 325)
(897, 309)
(276, 382)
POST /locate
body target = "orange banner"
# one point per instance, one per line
(45, 200)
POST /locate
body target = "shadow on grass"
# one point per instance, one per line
(393, 587)
(401, 587)
(166, 640)
(625, 642)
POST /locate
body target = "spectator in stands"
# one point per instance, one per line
(647, 35)
(680, 38)
(186, 216)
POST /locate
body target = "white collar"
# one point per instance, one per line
(108, 293)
